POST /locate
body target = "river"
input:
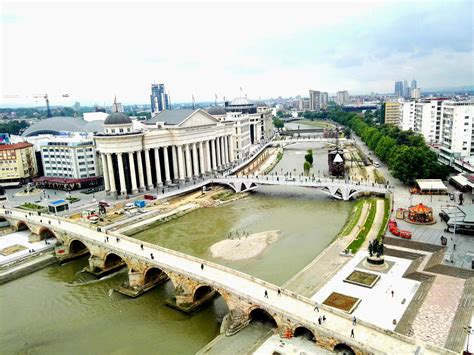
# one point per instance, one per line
(60, 310)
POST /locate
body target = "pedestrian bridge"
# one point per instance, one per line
(337, 188)
(196, 280)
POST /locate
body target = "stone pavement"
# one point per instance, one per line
(287, 304)
(436, 314)
(21, 238)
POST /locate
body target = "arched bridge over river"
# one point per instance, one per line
(195, 279)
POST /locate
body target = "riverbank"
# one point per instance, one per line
(27, 266)
(243, 247)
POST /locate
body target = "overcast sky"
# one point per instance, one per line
(93, 51)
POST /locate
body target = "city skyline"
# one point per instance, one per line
(93, 51)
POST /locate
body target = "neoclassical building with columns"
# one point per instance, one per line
(175, 146)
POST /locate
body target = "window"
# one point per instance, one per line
(121, 130)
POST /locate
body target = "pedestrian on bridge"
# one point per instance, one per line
(352, 333)
(279, 292)
(118, 240)
(141, 246)
(151, 256)
(266, 294)
(319, 321)
(324, 319)
(202, 266)
(316, 308)
(354, 321)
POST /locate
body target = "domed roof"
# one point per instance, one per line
(241, 101)
(56, 125)
(216, 111)
(117, 118)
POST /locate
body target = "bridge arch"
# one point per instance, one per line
(22, 226)
(46, 233)
(304, 332)
(112, 259)
(260, 315)
(77, 247)
(153, 274)
(201, 291)
(343, 349)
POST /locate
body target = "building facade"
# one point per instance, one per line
(392, 113)
(159, 98)
(324, 100)
(314, 100)
(407, 115)
(399, 88)
(427, 120)
(303, 104)
(17, 163)
(457, 131)
(342, 98)
(175, 146)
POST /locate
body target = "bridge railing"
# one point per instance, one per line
(198, 261)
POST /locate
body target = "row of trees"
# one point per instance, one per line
(405, 152)
(13, 127)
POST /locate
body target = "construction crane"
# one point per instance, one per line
(45, 96)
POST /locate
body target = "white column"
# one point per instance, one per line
(189, 172)
(132, 172)
(149, 183)
(231, 149)
(167, 165)
(226, 150)
(123, 186)
(208, 157)
(175, 162)
(110, 169)
(214, 166)
(158, 168)
(180, 164)
(105, 169)
(141, 177)
(201, 159)
(195, 161)
(218, 145)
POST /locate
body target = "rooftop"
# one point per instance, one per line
(56, 125)
(15, 146)
(171, 117)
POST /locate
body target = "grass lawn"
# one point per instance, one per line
(386, 215)
(356, 243)
(317, 123)
(343, 302)
(72, 199)
(353, 218)
(31, 206)
(362, 278)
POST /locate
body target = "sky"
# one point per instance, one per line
(93, 51)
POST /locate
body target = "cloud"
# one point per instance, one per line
(95, 50)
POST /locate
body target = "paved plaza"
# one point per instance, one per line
(300, 345)
(21, 239)
(377, 305)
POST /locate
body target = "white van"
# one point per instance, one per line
(376, 164)
(129, 206)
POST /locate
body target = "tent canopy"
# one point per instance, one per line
(421, 209)
(427, 185)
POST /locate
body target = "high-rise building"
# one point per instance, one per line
(314, 100)
(303, 104)
(457, 131)
(392, 113)
(413, 84)
(324, 101)
(342, 98)
(406, 89)
(117, 106)
(399, 88)
(428, 120)
(415, 93)
(159, 98)
(407, 115)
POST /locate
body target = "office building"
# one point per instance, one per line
(399, 88)
(392, 113)
(17, 163)
(342, 98)
(68, 163)
(303, 104)
(314, 100)
(413, 84)
(159, 98)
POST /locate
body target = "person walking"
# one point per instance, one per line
(202, 266)
(319, 321)
(266, 294)
(279, 292)
(316, 308)
(141, 246)
(354, 321)
(393, 292)
(324, 319)
(352, 333)
(151, 256)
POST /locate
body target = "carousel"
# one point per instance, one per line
(420, 214)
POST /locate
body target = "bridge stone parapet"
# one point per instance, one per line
(246, 296)
(336, 188)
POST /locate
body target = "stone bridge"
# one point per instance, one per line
(337, 188)
(286, 141)
(196, 281)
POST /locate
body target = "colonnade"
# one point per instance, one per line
(125, 172)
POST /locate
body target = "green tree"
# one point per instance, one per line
(309, 157)
(306, 167)
(384, 148)
(278, 123)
